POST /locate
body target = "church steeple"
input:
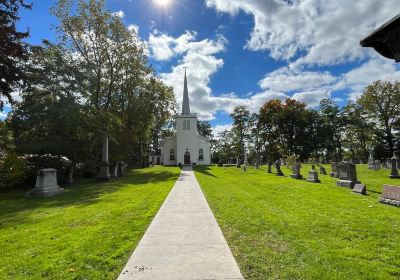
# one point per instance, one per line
(185, 102)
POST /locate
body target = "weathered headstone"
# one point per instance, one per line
(269, 170)
(121, 168)
(114, 174)
(370, 160)
(313, 175)
(347, 175)
(390, 195)
(104, 174)
(334, 172)
(388, 163)
(394, 173)
(322, 170)
(46, 184)
(278, 168)
(360, 189)
(377, 165)
(296, 171)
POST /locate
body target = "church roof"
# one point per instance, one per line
(185, 102)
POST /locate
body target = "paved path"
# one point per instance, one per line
(183, 241)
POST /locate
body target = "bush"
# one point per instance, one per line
(12, 172)
(37, 162)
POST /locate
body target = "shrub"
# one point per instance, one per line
(12, 172)
(37, 162)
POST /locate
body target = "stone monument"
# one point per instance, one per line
(104, 174)
(296, 171)
(360, 189)
(377, 164)
(46, 184)
(322, 170)
(347, 175)
(334, 172)
(370, 160)
(269, 170)
(278, 168)
(394, 173)
(390, 195)
(313, 175)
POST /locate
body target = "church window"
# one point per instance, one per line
(172, 154)
(186, 124)
(201, 154)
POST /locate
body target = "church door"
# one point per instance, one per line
(187, 158)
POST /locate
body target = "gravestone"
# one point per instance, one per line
(388, 163)
(313, 175)
(269, 170)
(390, 195)
(278, 168)
(394, 173)
(114, 174)
(121, 168)
(104, 174)
(370, 160)
(46, 184)
(322, 170)
(334, 172)
(360, 189)
(296, 171)
(377, 165)
(347, 175)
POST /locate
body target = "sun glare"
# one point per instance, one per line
(162, 3)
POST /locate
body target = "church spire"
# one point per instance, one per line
(185, 103)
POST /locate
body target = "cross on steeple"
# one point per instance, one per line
(185, 102)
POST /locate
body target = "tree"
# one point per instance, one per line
(381, 104)
(334, 122)
(240, 129)
(358, 135)
(12, 50)
(50, 119)
(204, 129)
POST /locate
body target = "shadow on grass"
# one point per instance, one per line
(203, 169)
(83, 193)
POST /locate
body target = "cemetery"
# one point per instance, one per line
(213, 139)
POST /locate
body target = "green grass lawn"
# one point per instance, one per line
(282, 228)
(87, 233)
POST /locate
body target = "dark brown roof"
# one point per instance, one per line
(378, 38)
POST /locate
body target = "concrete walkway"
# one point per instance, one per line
(183, 241)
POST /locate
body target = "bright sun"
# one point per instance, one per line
(162, 3)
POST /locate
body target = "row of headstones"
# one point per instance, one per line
(47, 186)
(347, 175)
(46, 179)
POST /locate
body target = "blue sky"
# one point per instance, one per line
(250, 51)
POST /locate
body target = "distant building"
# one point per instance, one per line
(155, 158)
(187, 146)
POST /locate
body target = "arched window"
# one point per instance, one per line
(184, 124)
(188, 124)
(172, 154)
(201, 154)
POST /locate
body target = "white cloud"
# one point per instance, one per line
(358, 78)
(119, 14)
(134, 27)
(311, 31)
(164, 47)
(285, 79)
(220, 128)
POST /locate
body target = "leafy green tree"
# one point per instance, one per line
(204, 129)
(240, 129)
(13, 51)
(381, 104)
(334, 122)
(358, 135)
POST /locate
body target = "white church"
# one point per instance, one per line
(187, 147)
